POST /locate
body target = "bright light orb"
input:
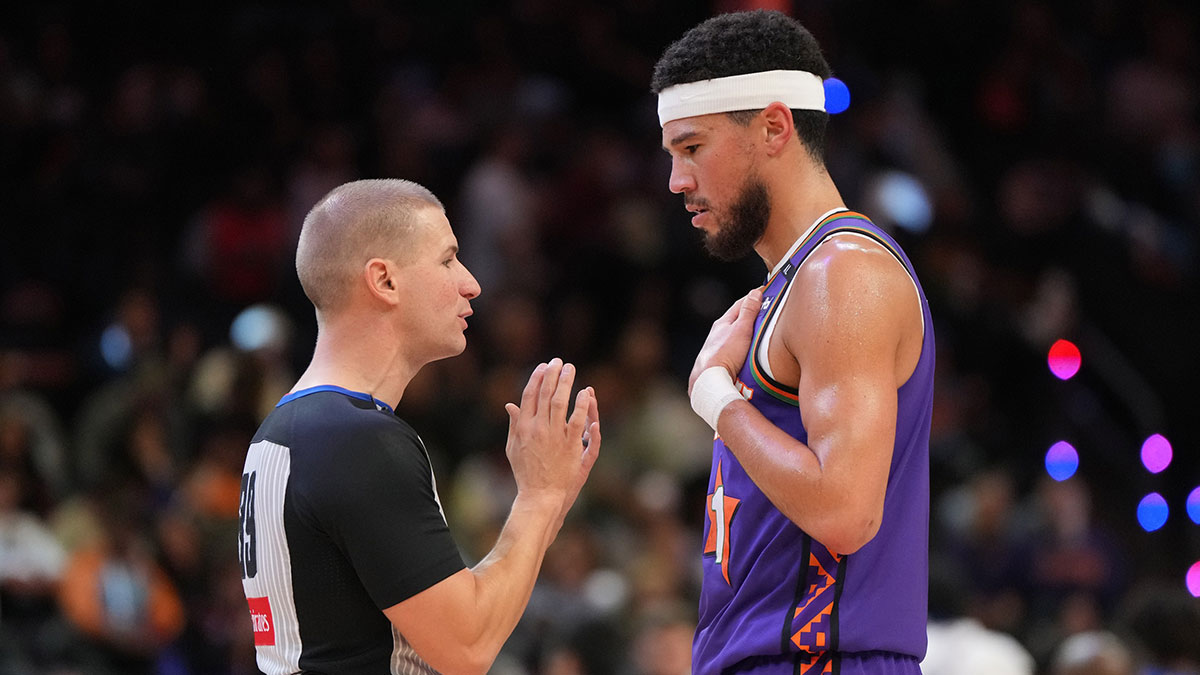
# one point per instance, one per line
(1061, 461)
(1156, 453)
(116, 347)
(1064, 359)
(837, 96)
(1152, 512)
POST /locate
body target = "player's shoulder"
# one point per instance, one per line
(854, 282)
(854, 261)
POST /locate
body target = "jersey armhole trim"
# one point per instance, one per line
(758, 348)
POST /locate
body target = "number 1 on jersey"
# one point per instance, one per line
(721, 509)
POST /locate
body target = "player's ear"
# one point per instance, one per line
(380, 276)
(778, 127)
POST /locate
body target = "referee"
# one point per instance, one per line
(347, 562)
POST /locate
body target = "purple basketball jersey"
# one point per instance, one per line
(773, 595)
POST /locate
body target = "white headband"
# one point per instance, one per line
(797, 89)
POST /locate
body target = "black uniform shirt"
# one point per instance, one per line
(340, 519)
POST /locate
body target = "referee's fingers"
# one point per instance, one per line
(579, 417)
(529, 397)
(550, 382)
(592, 451)
(593, 416)
(562, 395)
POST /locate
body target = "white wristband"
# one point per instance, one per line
(713, 390)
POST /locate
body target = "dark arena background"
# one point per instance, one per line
(1040, 161)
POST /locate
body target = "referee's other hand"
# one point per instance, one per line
(551, 453)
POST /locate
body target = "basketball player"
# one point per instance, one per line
(819, 385)
(347, 563)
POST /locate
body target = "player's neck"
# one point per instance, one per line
(795, 205)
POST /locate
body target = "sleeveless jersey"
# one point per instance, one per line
(770, 592)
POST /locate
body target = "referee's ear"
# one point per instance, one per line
(382, 280)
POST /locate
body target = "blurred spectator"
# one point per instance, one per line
(239, 241)
(560, 608)
(31, 566)
(1163, 622)
(31, 559)
(327, 162)
(663, 643)
(987, 542)
(1093, 653)
(247, 376)
(497, 218)
(115, 593)
(964, 647)
(212, 487)
(1077, 570)
(32, 448)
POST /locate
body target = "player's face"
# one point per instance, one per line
(438, 289)
(712, 167)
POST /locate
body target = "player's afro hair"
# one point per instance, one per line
(748, 42)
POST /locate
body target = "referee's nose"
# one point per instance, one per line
(469, 287)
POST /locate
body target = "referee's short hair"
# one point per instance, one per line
(355, 222)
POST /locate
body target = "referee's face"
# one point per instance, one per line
(437, 289)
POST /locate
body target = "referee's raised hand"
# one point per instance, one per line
(552, 453)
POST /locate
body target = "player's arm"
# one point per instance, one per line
(459, 624)
(849, 324)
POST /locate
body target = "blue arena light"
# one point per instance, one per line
(116, 347)
(259, 326)
(1152, 512)
(1193, 506)
(902, 199)
(1061, 461)
(837, 96)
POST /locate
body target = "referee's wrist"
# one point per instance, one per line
(539, 499)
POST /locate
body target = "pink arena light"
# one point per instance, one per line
(1064, 359)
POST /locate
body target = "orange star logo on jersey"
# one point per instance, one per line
(721, 509)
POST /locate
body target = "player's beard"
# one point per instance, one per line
(737, 234)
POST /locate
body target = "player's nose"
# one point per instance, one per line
(682, 179)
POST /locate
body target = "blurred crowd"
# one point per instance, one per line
(1040, 161)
